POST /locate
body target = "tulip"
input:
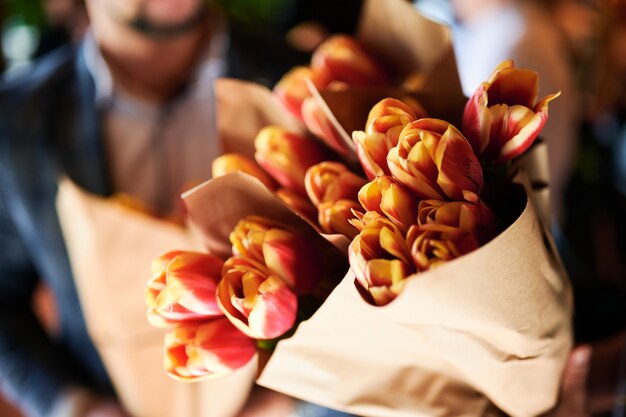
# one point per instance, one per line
(248, 235)
(256, 300)
(472, 215)
(291, 90)
(344, 59)
(435, 161)
(301, 206)
(380, 260)
(182, 288)
(270, 245)
(335, 216)
(503, 117)
(391, 114)
(389, 198)
(286, 156)
(382, 130)
(206, 349)
(331, 181)
(234, 162)
(320, 125)
(434, 244)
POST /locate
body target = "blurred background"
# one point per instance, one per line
(589, 43)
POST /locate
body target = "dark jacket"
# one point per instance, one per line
(49, 126)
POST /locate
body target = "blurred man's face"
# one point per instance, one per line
(161, 18)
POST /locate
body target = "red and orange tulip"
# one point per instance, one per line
(342, 58)
(256, 300)
(503, 117)
(206, 349)
(269, 244)
(384, 123)
(389, 198)
(286, 156)
(381, 260)
(434, 244)
(390, 115)
(435, 161)
(471, 215)
(234, 162)
(182, 288)
(332, 181)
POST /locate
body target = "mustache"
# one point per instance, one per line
(143, 24)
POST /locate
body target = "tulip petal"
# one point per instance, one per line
(477, 120)
(414, 179)
(514, 86)
(335, 217)
(284, 251)
(372, 152)
(206, 350)
(274, 313)
(458, 167)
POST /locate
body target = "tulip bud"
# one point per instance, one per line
(472, 216)
(344, 59)
(234, 162)
(302, 206)
(206, 349)
(268, 243)
(292, 89)
(382, 130)
(248, 235)
(434, 244)
(380, 260)
(293, 259)
(286, 156)
(503, 117)
(331, 181)
(435, 161)
(257, 301)
(182, 288)
(392, 114)
(389, 198)
(335, 216)
(372, 150)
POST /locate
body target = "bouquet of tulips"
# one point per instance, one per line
(454, 302)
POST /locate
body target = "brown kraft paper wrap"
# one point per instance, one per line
(496, 320)
(110, 249)
(492, 327)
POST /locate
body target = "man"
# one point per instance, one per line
(129, 111)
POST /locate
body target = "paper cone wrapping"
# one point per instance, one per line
(216, 206)
(490, 328)
(110, 250)
(496, 320)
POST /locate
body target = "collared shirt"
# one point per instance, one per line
(154, 152)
